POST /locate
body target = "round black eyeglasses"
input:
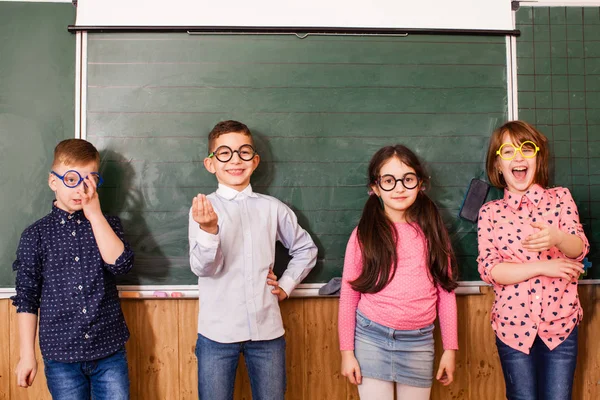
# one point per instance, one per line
(388, 182)
(224, 153)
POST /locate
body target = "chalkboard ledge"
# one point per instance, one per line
(303, 290)
(191, 291)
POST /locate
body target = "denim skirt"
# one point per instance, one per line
(393, 355)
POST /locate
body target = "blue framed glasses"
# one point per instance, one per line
(72, 178)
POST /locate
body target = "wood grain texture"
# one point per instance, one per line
(188, 365)
(38, 390)
(323, 350)
(162, 363)
(158, 362)
(133, 346)
(485, 379)
(5, 371)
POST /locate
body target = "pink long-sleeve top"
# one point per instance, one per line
(410, 299)
(543, 306)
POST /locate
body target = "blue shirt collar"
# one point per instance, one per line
(62, 214)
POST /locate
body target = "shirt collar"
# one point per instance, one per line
(231, 194)
(534, 195)
(63, 215)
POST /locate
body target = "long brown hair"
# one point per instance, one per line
(377, 235)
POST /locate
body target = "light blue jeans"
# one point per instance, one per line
(217, 365)
(543, 374)
(103, 379)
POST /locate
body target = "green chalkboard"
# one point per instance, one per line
(559, 90)
(319, 108)
(37, 78)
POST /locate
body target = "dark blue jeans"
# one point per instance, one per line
(103, 379)
(217, 364)
(542, 374)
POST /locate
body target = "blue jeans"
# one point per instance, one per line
(217, 365)
(542, 374)
(106, 378)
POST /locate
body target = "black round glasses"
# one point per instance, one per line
(388, 182)
(224, 153)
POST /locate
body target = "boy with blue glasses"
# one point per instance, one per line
(66, 267)
(232, 235)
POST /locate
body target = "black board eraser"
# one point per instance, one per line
(474, 199)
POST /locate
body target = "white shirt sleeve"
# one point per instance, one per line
(206, 257)
(300, 245)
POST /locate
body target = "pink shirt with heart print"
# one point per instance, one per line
(543, 306)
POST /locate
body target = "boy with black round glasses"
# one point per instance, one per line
(66, 266)
(232, 236)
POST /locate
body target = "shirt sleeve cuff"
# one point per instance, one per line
(124, 257)
(24, 307)
(207, 239)
(287, 284)
(450, 346)
(490, 278)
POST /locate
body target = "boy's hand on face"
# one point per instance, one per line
(204, 214)
(272, 281)
(89, 199)
(26, 371)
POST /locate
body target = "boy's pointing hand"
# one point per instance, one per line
(204, 214)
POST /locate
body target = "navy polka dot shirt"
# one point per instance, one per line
(60, 272)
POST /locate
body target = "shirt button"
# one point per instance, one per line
(73, 233)
(79, 287)
(62, 221)
(76, 258)
(87, 336)
(78, 221)
(70, 217)
(84, 311)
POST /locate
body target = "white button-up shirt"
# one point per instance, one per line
(236, 304)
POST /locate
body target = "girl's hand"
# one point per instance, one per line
(548, 237)
(89, 198)
(350, 368)
(204, 215)
(272, 280)
(26, 371)
(562, 268)
(445, 373)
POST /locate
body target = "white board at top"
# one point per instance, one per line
(415, 14)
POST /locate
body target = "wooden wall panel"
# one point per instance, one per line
(292, 312)
(587, 373)
(458, 390)
(485, 379)
(163, 365)
(39, 389)
(6, 374)
(322, 350)
(134, 346)
(158, 364)
(188, 333)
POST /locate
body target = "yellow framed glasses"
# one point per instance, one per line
(508, 151)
